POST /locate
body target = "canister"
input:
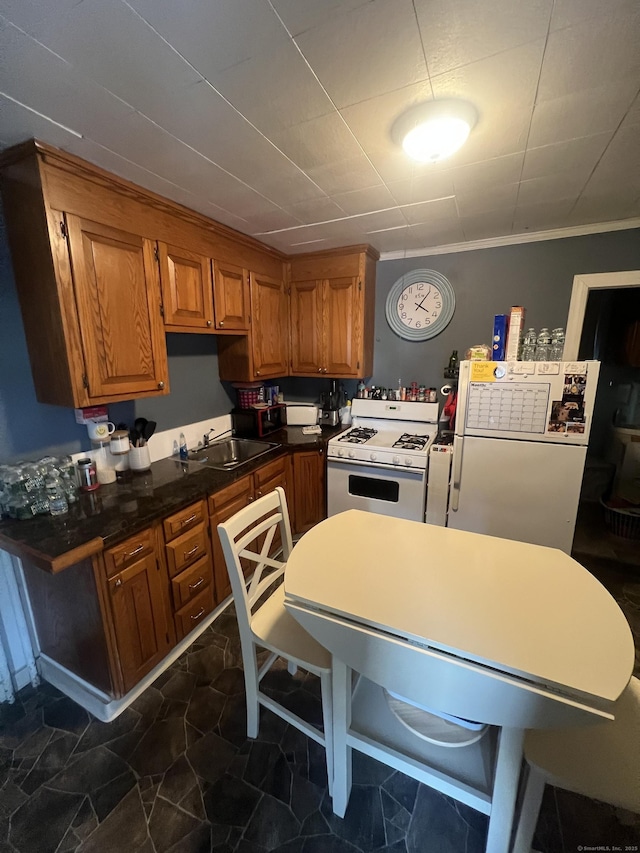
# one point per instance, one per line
(87, 475)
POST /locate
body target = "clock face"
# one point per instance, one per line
(420, 305)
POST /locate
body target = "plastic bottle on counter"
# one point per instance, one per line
(529, 345)
(557, 344)
(360, 393)
(58, 504)
(184, 453)
(543, 345)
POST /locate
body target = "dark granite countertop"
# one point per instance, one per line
(102, 518)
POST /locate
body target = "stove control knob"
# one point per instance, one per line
(408, 461)
(340, 452)
(373, 457)
(352, 454)
(396, 460)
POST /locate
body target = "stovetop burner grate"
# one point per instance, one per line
(411, 442)
(358, 435)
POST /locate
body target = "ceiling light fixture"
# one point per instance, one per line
(435, 130)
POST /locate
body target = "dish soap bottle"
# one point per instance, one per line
(184, 453)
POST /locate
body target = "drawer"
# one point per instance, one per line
(189, 616)
(129, 551)
(240, 491)
(186, 549)
(273, 470)
(191, 582)
(184, 520)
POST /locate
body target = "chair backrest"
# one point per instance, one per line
(249, 535)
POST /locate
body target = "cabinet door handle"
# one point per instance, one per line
(197, 584)
(197, 615)
(187, 554)
(221, 323)
(257, 373)
(209, 323)
(250, 499)
(188, 520)
(258, 494)
(161, 386)
(134, 552)
(117, 583)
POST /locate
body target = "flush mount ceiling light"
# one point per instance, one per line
(432, 131)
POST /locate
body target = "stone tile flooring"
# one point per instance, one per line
(175, 773)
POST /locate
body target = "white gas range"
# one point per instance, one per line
(380, 463)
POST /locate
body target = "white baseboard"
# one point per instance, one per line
(102, 705)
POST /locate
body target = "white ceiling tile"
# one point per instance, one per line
(633, 115)
(361, 201)
(487, 173)
(322, 140)
(620, 163)
(275, 90)
(374, 49)
(605, 207)
(494, 223)
(430, 212)
(354, 174)
(127, 58)
(541, 217)
(19, 124)
(215, 36)
(573, 155)
(583, 113)
(272, 220)
(585, 55)
(26, 13)
(426, 186)
(287, 186)
(562, 185)
(499, 197)
(316, 210)
(301, 15)
(567, 13)
(457, 32)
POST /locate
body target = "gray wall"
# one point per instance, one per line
(488, 281)
(538, 276)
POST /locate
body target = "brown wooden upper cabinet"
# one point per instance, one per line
(332, 313)
(264, 352)
(231, 297)
(186, 289)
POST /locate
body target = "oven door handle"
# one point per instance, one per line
(376, 465)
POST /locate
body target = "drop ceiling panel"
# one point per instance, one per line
(301, 15)
(494, 223)
(564, 185)
(458, 32)
(550, 160)
(374, 49)
(213, 36)
(427, 185)
(488, 173)
(501, 197)
(567, 13)
(430, 212)
(539, 217)
(368, 199)
(318, 142)
(354, 174)
(317, 210)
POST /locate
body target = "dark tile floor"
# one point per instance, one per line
(175, 773)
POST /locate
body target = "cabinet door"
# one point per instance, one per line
(118, 299)
(139, 617)
(308, 489)
(222, 506)
(306, 327)
(186, 289)
(269, 326)
(342, 326)
(230, 297)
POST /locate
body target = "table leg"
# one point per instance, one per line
(505, 790)
(341, 722)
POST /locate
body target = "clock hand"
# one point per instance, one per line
(423, 298)
(420, 305)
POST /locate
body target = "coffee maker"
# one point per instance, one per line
(331, 403)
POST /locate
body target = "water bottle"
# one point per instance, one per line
(557, 344)
(529, 346)
(57, 499)
(543, 345)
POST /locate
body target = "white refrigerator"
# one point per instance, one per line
(520, 445)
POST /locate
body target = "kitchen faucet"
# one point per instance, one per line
(206, 441)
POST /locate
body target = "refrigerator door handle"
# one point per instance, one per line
(457, 475)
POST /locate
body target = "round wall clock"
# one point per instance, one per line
(420, 305)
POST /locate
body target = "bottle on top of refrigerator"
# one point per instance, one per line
(557, 344)
(529, 346)
(543, 345)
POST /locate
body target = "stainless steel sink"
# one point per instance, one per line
(229, 453)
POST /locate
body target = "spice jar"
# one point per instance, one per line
(87, 475)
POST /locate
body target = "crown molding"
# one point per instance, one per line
(514, 239)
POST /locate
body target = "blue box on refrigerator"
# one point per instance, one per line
(499, 342)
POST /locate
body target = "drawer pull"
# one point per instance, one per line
(134, 552)
(118, 582)
(198, 615)
(197, 584)
(188, 520)
(187, 554)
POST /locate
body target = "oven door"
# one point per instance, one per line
(373, 488)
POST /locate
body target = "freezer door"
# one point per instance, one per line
(522, 490)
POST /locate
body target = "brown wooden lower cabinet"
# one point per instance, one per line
(309, 503)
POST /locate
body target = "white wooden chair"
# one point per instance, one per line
(249, 535)
(600, 761)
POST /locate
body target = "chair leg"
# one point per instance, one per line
(531, 802)
(341, 701)
(292, 667)
(252, 686)
(327, 717)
